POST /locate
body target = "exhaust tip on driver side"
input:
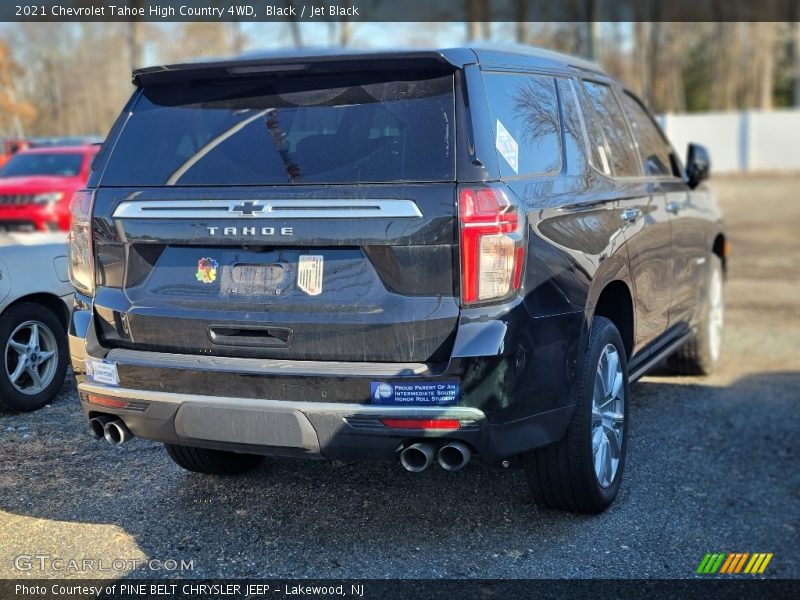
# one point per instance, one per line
(417, 457)
(97, 426)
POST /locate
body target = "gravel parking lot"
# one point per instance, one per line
(712, 467)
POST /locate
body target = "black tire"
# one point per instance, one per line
(562, 475)
(699, 355)
(213, 462)
(17, 315)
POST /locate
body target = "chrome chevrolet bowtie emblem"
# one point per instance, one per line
(250, 208)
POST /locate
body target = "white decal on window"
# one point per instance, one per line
(507, 146)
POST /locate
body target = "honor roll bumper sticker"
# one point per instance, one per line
(309, 274)
(436, 393)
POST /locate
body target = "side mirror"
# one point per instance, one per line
(698, 164)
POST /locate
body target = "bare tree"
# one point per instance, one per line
(472, 10)
(294, 27)
(794, 59)
(521, 25)
(237, 37)
(763, 50)
(15, 114)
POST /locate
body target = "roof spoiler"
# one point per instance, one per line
(332, 63)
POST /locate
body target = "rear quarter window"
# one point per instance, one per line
(525, 119)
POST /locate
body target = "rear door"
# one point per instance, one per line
(289, 217)
(642, 209)
(687, 224)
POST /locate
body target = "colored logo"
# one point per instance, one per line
(206, 270)
(734, 562)
(384, 390)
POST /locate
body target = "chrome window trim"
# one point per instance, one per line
(282, 208)
(263, 366)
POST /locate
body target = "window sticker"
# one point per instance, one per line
(309, 274)
(507, 146)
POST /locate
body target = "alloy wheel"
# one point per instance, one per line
(608, 416)
(31, 357)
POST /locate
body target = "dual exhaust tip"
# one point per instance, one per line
(417, 457)
(110, 428)
(453, 456)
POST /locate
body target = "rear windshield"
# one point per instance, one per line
(343, 130)
(57, 164)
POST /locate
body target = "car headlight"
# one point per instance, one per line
(48, 198)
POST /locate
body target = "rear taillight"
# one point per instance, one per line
(492, 250)
(81, 263)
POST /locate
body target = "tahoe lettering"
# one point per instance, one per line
(265, 231)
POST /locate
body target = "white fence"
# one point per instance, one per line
(740, 141)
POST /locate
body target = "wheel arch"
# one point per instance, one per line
(52, 302)
(615, 302)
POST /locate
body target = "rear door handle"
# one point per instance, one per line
(630, 214)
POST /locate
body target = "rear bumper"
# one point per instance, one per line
(319, 430)
(276, 427)
(514, 394)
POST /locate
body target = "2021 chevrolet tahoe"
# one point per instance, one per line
(422, 256)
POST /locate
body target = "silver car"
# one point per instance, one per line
(35, 302)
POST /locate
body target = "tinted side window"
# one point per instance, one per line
(573, 130)
(620, 143)
(599, 154)
(653, 149)
(524, 115)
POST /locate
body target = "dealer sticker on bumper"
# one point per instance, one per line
(101, 371)
(437, 393)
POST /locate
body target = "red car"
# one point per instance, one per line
(36, 186)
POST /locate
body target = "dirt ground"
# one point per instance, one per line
(712, 467)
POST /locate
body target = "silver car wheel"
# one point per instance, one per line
(608, 416)
(31, 357)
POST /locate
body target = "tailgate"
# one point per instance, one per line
(322, 273)
(283, 215)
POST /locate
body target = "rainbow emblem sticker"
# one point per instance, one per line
(206, 270)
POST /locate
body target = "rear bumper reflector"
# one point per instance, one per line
(422, 423)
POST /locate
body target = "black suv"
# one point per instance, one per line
(423, 256)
